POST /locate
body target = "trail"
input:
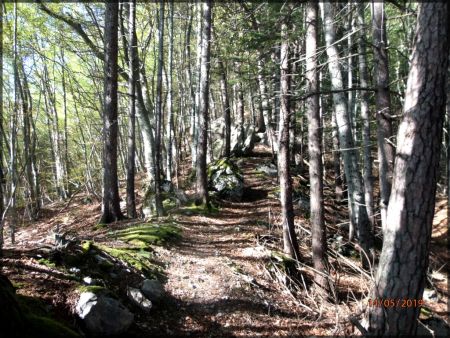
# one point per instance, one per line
(216, 280)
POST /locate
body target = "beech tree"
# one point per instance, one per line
(401, 273)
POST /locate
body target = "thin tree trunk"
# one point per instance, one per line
(386, 150)
(158, 113)
(358, 212)
(287, 209)
(318, 230)
(170, 114)
(226, 109)
(404, 259)
(134, 75)
(203, 112)
(365, 114)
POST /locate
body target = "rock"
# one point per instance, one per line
(153, 290)
(181, 196)
(226, 178)
(430, 295)
(269, 169)
(166, 186)
(138, 298)
(242, 140)
(88, 280)
(103, 315)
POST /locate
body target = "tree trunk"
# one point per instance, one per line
(287, 209)
(365, 115)
(226, 109)
(158, 114)
(134, 75)
(111, 201)
(170, 115)
(386, 150)
(318, 230)
(203, 112)
(404, 259)
(358, 212)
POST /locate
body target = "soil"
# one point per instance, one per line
(217, 277)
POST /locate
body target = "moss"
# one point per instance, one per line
(100, 226)
(48, 327)
(201, 209)
(96, 289)
(169, 204)
(38, 320)
(47, 262)
(138, 259)
(19, 285)
(146, 234)
(86, 246)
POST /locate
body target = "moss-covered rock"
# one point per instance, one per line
(146, 234)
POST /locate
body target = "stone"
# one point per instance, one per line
(138, 298)
(269, 169)
(430, 295)
(153, 290)
(103, 315)
(226, 179)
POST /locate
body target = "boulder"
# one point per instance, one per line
(103, 315)
(139, 299)
(153, 290)
(226, 179)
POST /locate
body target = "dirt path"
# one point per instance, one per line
(216, 277)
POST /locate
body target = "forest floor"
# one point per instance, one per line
(221, 276)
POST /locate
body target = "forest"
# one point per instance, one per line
(224, 168)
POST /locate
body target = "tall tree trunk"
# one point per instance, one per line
(386, 150)
(111, 202)
(194, 117)
(358, 212)
(319, 244)
(13, 139)
(170, 115)
(404, 259)
(365, 115)
(203, 112)
(226, 109)
(158, 113)
(2, 175)
(287, 209)
(134, 75)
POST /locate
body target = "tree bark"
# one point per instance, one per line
(404, 259)
(226, 109)
(203, 112)
(134, 76)
(111, 202)
(170, 115)
(287, 209)
(386, 150)
(358, 213)
(318, 230)
(158, 114)
(365, 114)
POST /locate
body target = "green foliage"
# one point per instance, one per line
(201, 209)
(47, 262)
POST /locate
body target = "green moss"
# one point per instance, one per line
(146, 234)
(96, 289)
(46, 262)
(138, 259)
(169, 204)
(48, 327)
(37, 317)
(86, 246)
(19, 285)
(201, 209)
(100, 226)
